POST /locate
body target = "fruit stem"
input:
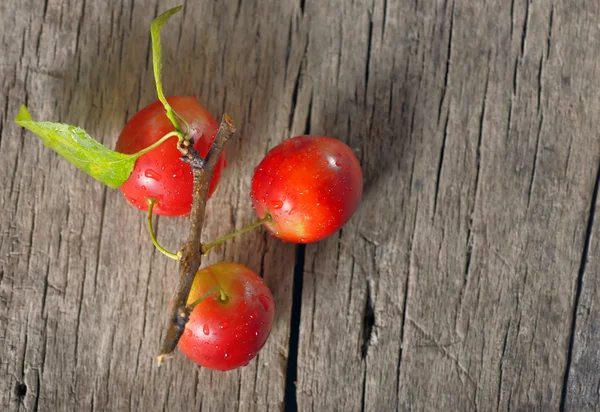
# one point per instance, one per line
(206, 294)
(151, 202)
(223, 297)
(207, 246)
(188, 129)
(159, 142)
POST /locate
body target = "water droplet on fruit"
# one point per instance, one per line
(151, 174)
(277, 204)
(265, 302)
(188, 333)
(270, 180)
(337, 163)
(206, 330)
(224, 325)
(226, 355)
(143, 187)
(217, 347)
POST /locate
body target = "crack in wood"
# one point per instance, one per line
(369, 56)
(579, 287)
(535, 160)
(448, 61)
(440, 165)
(550, 24)
(501, 366)
(368, 323)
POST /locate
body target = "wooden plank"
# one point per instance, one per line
(83, 295)
(453, 287)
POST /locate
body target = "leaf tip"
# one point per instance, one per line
(23, 115)
(163, 18)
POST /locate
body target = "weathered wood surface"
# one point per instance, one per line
(467, 280)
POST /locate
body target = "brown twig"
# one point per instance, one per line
(191, 250)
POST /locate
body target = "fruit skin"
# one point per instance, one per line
(311, 186)
(228, 335)
(160, 174)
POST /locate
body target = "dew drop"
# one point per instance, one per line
(188, 333)
(277, 204)
(226, 355)
(206, 330)
(143, 187)
(337, 163)
(224, 325)
(151, 174)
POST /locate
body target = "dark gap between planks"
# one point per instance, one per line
(290, 401)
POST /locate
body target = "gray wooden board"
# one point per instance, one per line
(455, 285)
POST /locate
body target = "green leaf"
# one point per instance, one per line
(155, 29)
(74, 144)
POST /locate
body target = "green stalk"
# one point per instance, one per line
(206, 247)
(175, 256)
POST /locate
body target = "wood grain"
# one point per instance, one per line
(454, 286)
(467, 280)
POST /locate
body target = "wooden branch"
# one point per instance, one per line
(191, 250)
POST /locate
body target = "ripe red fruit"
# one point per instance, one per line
(160, 174)
(226, 335)
(310, 185)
